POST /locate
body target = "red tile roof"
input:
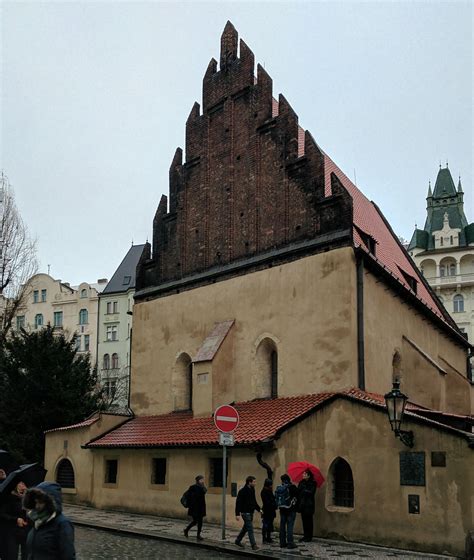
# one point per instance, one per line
(388, 252)
(260, 420)
(83, 424)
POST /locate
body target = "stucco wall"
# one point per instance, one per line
(388, 322)
(66, 444)
(307, 307)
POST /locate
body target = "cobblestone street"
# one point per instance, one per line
(163, 538)
(93, 544)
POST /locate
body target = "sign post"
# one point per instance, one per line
(226, 419)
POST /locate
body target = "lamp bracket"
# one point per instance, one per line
(406, 437)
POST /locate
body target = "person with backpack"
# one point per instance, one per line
(245, 506)
(306, 504)
(269, 508)
(195, 500)
(286, 496)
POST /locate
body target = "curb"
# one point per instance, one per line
(210, 545)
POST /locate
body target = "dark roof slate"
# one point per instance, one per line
(125, 275)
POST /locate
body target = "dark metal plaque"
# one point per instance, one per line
(412, 468)
(413, 503)
(233, 489)
(438, 458)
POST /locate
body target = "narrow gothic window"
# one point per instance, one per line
(343, 484)
(65, 474)
(183, 383)
(274, 374)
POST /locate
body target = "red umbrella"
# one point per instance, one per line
(296, 470)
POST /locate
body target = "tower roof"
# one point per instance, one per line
(444, 184)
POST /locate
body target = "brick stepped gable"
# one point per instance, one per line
(252, 181)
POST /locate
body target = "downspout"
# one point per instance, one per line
(360, 325)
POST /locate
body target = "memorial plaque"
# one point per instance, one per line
(438, 458)
(413, 503)
(412, 468)
(233, 489)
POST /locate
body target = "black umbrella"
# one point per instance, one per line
(7, 463)
(31, 475)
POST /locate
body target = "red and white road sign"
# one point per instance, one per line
(226, 418)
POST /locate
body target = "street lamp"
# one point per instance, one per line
(396, 402)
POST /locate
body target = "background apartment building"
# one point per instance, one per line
(72, 309)
(115, 329)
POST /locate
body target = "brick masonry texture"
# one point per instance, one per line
(251, 182)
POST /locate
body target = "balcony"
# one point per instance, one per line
(451, 281)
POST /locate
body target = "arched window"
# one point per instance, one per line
(83, 317)
(458, 303)
(83, 293)
(106, 362)
(396, 366)
(342, 484)
(452, 270)
(442, 270)
(115, 363)
(38, 320)
(266, 381)
(65, 474)
(182, 383)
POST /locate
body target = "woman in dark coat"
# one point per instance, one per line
(14, 523)
(269, 508)
(306, 504)
(196, 498)
(52, 534)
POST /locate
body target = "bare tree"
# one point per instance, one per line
(114, 390)
(17, 257)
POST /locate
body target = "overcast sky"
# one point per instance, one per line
(95, 96)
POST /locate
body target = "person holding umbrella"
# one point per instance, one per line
(14, 524)
(306, 504)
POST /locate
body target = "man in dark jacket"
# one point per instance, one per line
(196, 498)
(245, 506)
(52, 534)
(286, 496)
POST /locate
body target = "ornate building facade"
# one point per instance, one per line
(444, 250)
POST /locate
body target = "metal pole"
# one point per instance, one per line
(224, 486)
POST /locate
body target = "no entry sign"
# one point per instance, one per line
(226, 418)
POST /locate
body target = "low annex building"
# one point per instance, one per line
(274, 284)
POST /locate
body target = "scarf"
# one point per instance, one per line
(40, 517)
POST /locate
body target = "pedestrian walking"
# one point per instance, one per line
(286, 495)
(14, 524)
(306, 504)
(269, 508)
(52, 534)
(245, 507)
(196, 503)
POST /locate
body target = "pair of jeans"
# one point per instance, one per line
(267, 528)
(287, 522)
(247, 528)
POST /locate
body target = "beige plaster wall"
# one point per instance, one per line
(387, 320)
(294, 304)
(362, 436)
(56, 449)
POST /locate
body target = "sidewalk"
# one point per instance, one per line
(172, 530)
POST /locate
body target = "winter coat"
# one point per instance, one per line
(306, 492)
(269, 506)
(246, 501)
(11, 508)
(197, 501)
(54, 539)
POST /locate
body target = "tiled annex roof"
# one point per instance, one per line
(84, 424)
(260, 421)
